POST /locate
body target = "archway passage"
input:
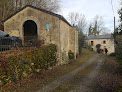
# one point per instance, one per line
(30, 30)
(98, 46)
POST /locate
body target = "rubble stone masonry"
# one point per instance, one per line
(59, 30)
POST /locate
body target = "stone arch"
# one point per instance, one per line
(30, 30)
(98, 47)
(32, 18)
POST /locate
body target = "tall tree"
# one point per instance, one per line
(50, 5)
(81, 39)
(6, 8)
(90, 29)
(118, 37)
(97, 26)
(77, 19)
(82, 22)
(120, 16)
(79, 22)
(73, 18)
(16, 6)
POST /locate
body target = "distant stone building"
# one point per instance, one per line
(106, 41)
(31, 22)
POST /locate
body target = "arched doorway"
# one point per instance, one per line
(98, 47)
(30, 31)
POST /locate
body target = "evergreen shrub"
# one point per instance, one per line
(19, 66)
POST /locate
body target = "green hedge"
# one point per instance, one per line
(119, 55)
(17, 67)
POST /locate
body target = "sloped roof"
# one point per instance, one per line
(99, 37)
(51, 13)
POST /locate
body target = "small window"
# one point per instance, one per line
(91, 43)
(104, 42)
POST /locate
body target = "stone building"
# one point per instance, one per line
(31, 22)
(106, 41)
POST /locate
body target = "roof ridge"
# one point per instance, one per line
(109, 36)
(43, 10)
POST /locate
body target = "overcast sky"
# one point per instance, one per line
(91, 8)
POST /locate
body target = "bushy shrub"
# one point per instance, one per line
(119, 56)
(71, 54)
(88, 47)
(112, 54)
(17, 67)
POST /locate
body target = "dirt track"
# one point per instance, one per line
(83, 85)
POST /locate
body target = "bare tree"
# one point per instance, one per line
(73, 18)
(6, 9)
(105, 31)
(78, 19)
(82, 22)
(50, 5)
(79, 22)
(96, 26)
(98, 23)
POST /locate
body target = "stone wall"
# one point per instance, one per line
(72, 40)
(68, 35)
(14, 26)
(64, 28)
(76, 43)
(109, 44)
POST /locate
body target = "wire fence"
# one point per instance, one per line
(5, 44)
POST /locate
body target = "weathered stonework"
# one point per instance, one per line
(59, 30)
(109, 44)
